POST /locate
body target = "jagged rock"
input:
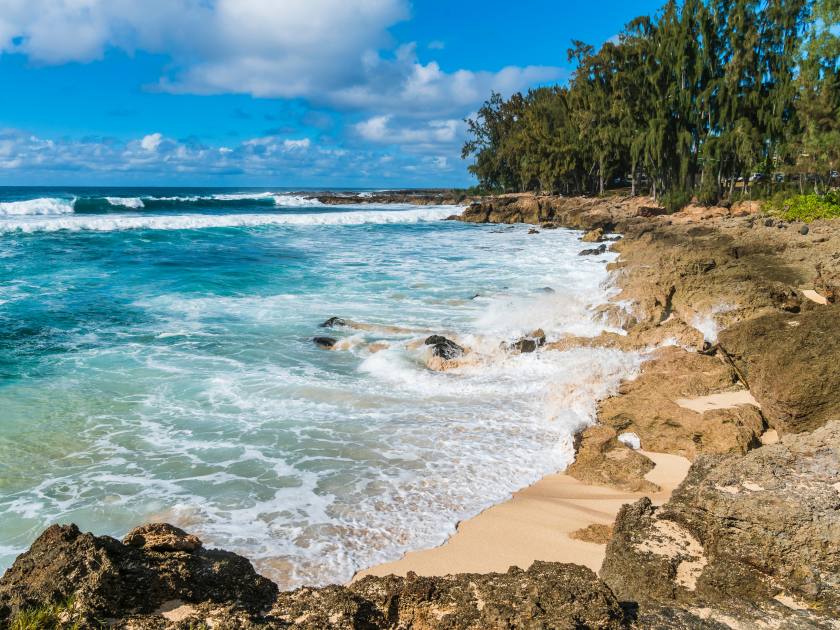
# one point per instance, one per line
(790, 363)
(526, 344)
(109, 579)
(760, 530)
(594, 251)
(647, 407)
(602, 460)
(651, 211)
(593, 236)
(533, 231)
(162, 537)
(547, 595)
(325, 342)
(333, 322)
(444, 348)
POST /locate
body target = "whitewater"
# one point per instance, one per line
(157, 363)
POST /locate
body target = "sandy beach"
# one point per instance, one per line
(534, 524)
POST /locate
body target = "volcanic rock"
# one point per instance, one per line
(790, 362)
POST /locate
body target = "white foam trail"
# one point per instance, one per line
(33, 207)
(110, 223)
(126, 202)
(239, 196)
(296, 201)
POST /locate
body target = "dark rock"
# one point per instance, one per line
(546, 596)
(804, 230)
(739, 532)
(790, 363)
(651, 211)
(108, 579)
(444, 348)
(769, 222)
(533, 231)
(549, 226)
(594, 251)
(528, 343)
(333, 322)
(524, 345)
(325, 342)
(546, 290)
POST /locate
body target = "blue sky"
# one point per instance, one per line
(269, 92)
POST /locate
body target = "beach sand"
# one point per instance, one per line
(535, 524)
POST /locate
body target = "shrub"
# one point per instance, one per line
(805, 207)
(675, 200)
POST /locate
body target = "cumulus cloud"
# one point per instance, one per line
(151, 142)
(294, 160)
(382, 130)
(326, 51)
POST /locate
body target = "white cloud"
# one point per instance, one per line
(327, 51)
(436, 45)
(151, 142)
(380, 130)
(296, 144)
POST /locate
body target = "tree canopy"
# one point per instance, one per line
(702, 95)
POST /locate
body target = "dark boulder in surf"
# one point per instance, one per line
(325, 342)
(333, 322)
(444, 348)
(594, 251)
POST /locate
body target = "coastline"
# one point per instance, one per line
(732, 396)
(535, 524)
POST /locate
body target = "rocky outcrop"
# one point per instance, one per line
(109, 579)
(791, 364)
(760, 532)
(647, 406)
(548, 595)
(602, 460)
(162, 578)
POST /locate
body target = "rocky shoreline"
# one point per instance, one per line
(724, 301)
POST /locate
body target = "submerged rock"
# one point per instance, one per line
(333, 322)
(325, 342)
(444, 348)
(594, 251)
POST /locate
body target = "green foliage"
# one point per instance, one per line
(695, 100)
(806, 207)
(675, 200)
(49, 617)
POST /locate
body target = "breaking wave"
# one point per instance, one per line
(76, 223)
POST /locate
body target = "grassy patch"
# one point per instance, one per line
(50, 617)
(806, 207)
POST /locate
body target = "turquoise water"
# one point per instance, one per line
(156, 362)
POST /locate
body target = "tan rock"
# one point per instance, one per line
(647, 406)
(602, 460)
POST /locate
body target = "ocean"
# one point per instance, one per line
(157, 363)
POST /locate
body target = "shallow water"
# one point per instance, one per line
(156, 362)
